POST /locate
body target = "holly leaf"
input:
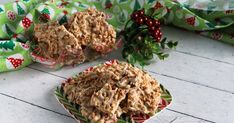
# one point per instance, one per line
(137, 5)
(163, 41)
(151, 1)
(171, 44)
(162, 56)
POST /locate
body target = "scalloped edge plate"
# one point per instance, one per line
(74, 109)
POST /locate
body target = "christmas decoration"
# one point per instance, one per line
(26, 22)
(1, 10)
(7, 45)
(20, 9)
(8, 29)
(46, 13)
(142, 38)
(11, 15)
(14, 61)
(64, 17)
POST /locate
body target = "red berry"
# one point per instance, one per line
(134, 16)
(145, 18)
(156, 33)
(158, 39)
(151, 28)
(160, 34)
(141, 12)
(156, 23)
(149, 22)
(139, 21)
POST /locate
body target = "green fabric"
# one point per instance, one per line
(17, 20)
(210, 18)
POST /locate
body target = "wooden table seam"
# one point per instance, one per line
(193, 82)
(207, 58)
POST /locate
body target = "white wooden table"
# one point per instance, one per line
(199, 75)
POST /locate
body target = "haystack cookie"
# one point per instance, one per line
(105, 92)
(56, 43)
(92, 30)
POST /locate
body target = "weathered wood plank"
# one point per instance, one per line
(199, 101)
(194, 44)
(14, 111)
(32, 86)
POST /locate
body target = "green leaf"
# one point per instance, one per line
(163, 43)
(150, 12)
(137, 5)
(150, 1)
(146, 53)
(171, 44)
(131, 59)
(122, 17)
(162, 56)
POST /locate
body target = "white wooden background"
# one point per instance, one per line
(199, 74)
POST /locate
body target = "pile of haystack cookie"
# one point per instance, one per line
(85, 36)
(108, 91)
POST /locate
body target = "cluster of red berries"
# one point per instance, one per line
(153, 25)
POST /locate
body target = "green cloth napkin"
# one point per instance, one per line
(17, 21)
(210, 18)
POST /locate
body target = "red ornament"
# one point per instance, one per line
(191, 21)
(26, 22)
(16, 62)
(11, 15)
